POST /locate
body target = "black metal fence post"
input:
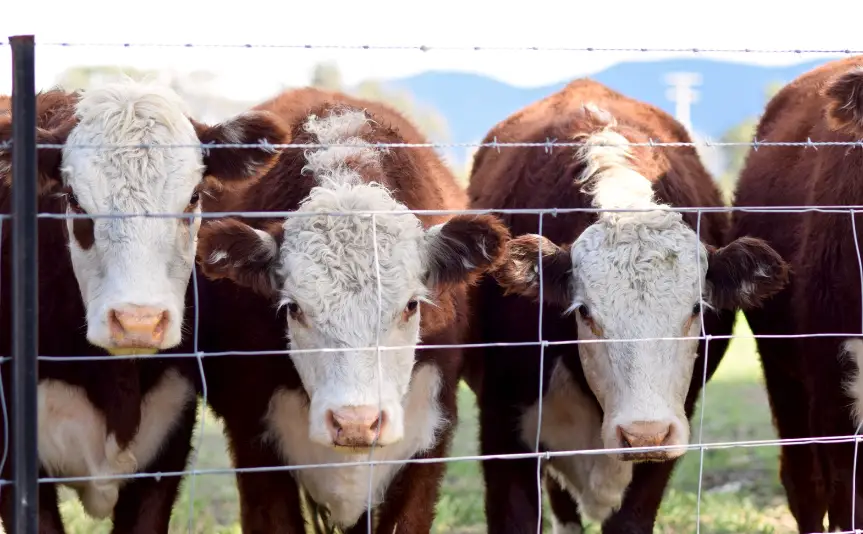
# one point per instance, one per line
(25, 277)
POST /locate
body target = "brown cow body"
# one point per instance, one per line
(805, 377)
(105, 417)
(265, 400)
(507, 379)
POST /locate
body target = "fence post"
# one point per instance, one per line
(25, 278)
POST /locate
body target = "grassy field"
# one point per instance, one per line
(740, 486)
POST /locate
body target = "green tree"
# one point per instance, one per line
(743, 132)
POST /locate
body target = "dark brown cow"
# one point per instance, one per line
(806, 377)
(330, 281)
(625, 275)
(116, 286)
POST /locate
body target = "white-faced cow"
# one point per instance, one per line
(814, 384)
(342, 283)
(117, 286)
(608, 280)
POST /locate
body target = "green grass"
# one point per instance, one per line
(740, 486)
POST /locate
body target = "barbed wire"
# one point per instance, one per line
(554, 212)
(548, 144)
(453, 48)
(543, 343)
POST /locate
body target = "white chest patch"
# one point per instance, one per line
(853, 384)
(570, 422)
(345, 490)
(74, 442)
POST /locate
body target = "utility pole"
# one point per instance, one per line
(682, 94)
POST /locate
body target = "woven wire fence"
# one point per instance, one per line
(192, 474)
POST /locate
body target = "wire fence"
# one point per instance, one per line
(26, 411)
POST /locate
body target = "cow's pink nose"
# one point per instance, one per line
(640, 434)
(355, 426)
(138, 326)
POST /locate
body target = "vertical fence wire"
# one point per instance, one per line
(539, 393)
(379, 291)
(4, 409)
(859, 426)
(25, 290)
(196, 451)
(704, 336)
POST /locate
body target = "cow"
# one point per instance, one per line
(642, 271)
(117, 288)
(312, 280)
(813, 383)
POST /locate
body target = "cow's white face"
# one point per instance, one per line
(133, 271)
(331, 288)
(352, 282)
(629, 277)
(631, 281)
(634, 275)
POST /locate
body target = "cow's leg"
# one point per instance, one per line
(566, 517)
(830, 415)
(511, 490)
(145, 504)
(50, 521)
(799, 466)
(641, 502)
(269, 500)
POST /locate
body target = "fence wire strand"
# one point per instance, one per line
(380, 311)
(540, 396)
(548, 144)
(196, 451)
(452, 48)
(3, 407)
(706, 338)
(859, 426)
(547, 455)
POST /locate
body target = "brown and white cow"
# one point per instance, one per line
(337, 294)
(624, 276)
(117, 287)
(813, 383)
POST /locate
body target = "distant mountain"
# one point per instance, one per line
(728, 94)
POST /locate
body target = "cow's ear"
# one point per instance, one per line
(464, 247)
(744, 273)
(231, 249)
(250, 128)
(48, 158)
(519, 273)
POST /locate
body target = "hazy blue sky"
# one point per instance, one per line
(256, 73)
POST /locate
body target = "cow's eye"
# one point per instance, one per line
(584, 312)
(696, 309)
(410, 309)
(72, 200)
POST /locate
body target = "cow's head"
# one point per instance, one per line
(344, 294)
(635, 275)
(133, 271)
